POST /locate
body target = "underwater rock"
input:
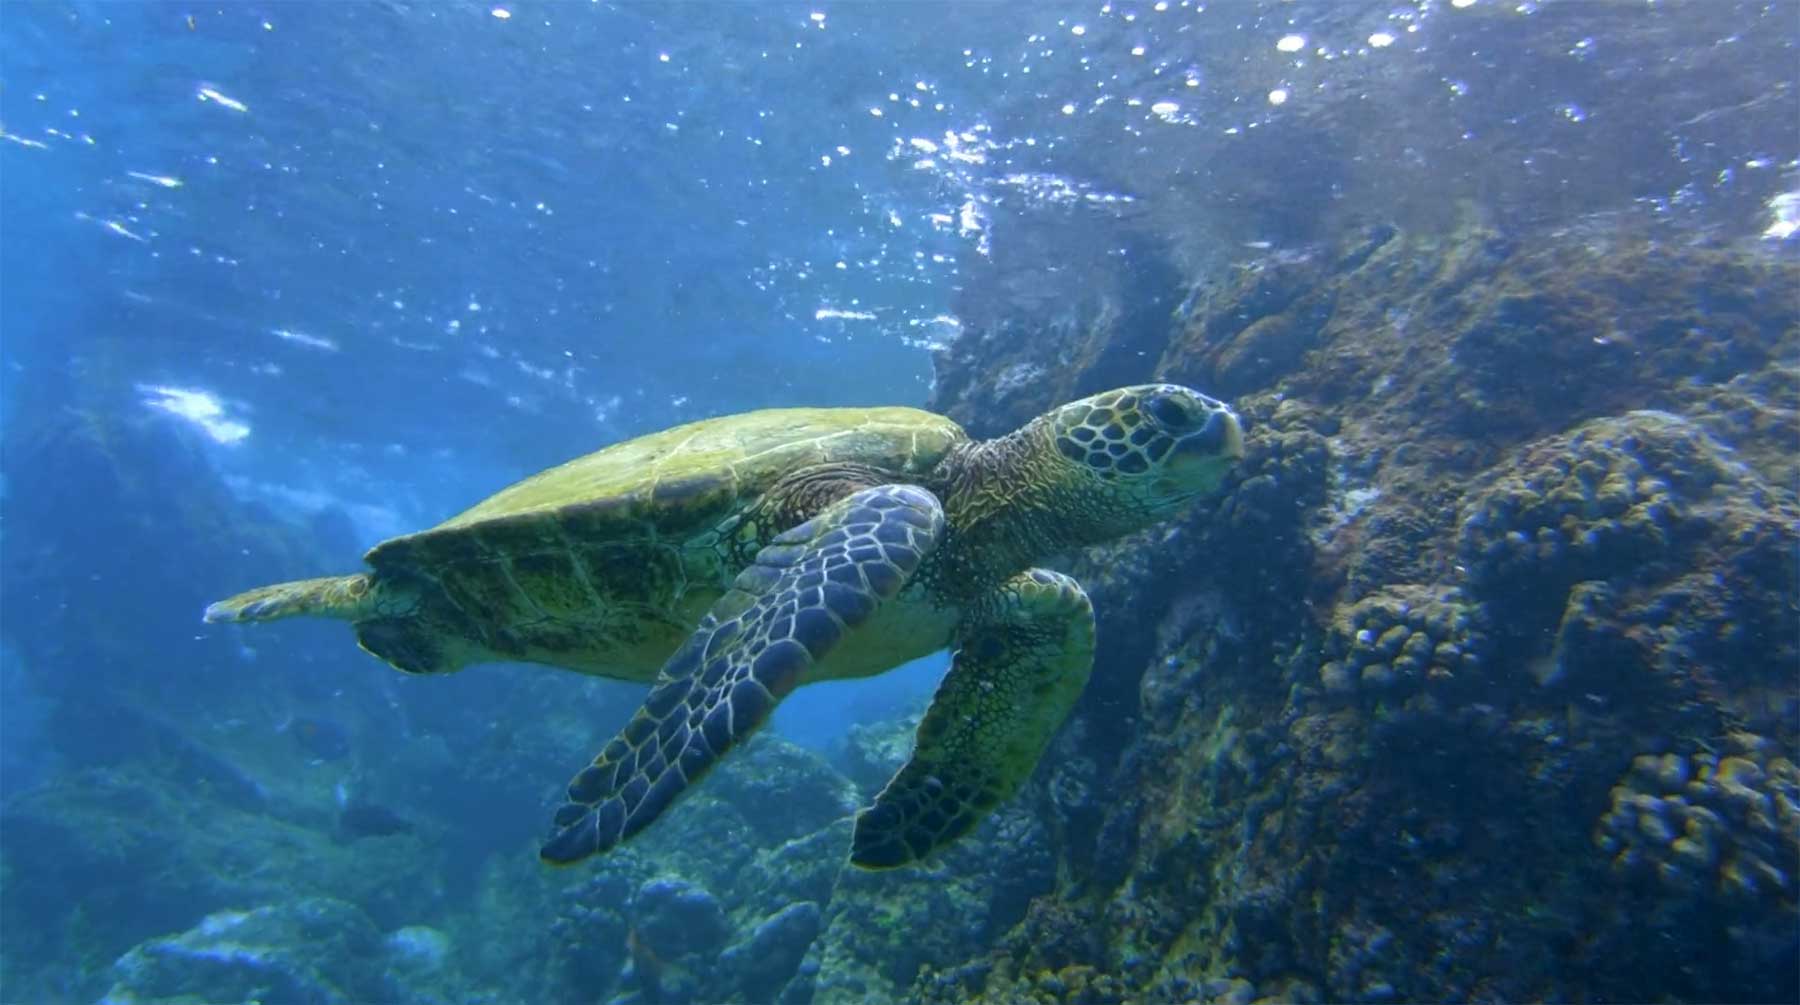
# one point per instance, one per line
(362, 818)
(1268, 349)
(1758, 412)
(804, 869)
(1218, 991)
(1556, 338)
(1365, 957)
(423, 961)
(676, 932)
(588, 939)
(1254, 328)
(418, 949)
(141, 852)
(1703, 848)
(316, 951)
(763, 963)
(873, 752)
(783, 790)
(884, 929)
(1073, 306)
(1589, 634)
(673, 918)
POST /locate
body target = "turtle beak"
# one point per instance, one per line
(1202, 458)
(1222, 437)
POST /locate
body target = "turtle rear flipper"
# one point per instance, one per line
(782, 614)
(1018, 669)
(327, 597)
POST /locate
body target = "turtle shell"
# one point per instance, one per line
(608, 557)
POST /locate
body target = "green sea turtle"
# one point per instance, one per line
(781, 547)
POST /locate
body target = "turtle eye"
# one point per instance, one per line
(1169, 412)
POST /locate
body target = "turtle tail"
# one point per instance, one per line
(347, 597)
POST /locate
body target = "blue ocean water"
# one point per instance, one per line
(279, 281)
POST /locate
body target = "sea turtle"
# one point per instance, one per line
(780, 547)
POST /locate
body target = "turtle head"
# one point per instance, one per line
(1140, 453)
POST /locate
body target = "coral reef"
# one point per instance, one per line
(708, 906)
(1513, 513)
(677, 931)
(201, 855)
(771, 955)
(1593, 504)
(1402, 638)
(1728, 827)
(316, 951)
(1651, 555)
(882, 929)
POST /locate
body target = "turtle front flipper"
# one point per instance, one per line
(1020, 663)
(782, 614)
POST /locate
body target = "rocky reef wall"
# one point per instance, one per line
(1479, 680)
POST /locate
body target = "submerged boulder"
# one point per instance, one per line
(765, 961)
(315, 951)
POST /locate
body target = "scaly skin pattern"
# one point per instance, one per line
(304, 596)
(1020, 664)
(1087, 472)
